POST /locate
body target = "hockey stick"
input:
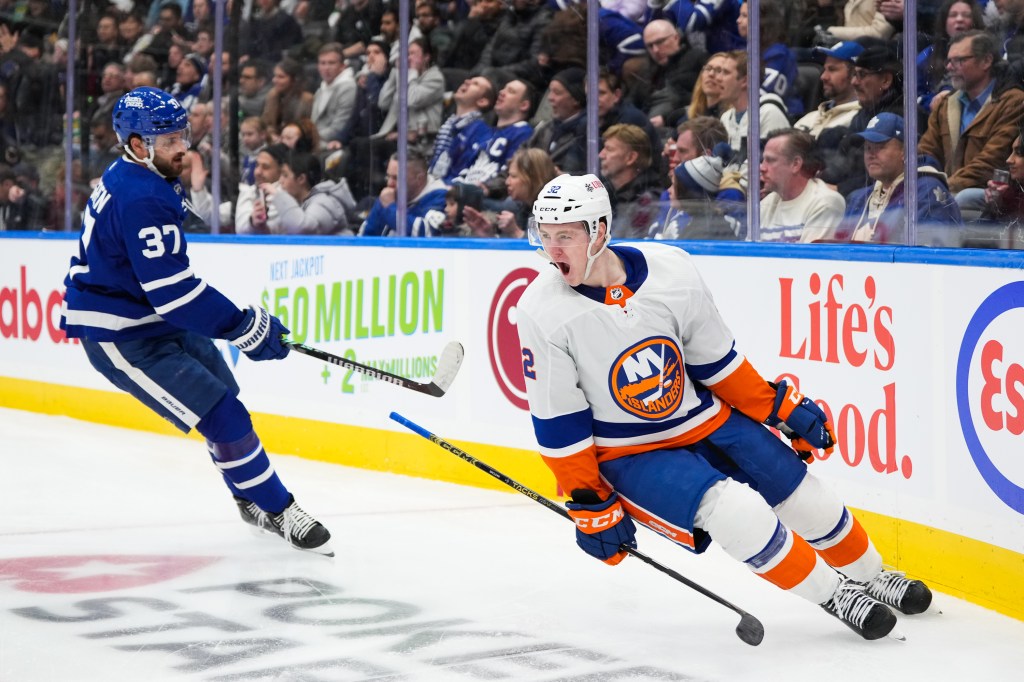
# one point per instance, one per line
(447, 367)
(749, 629)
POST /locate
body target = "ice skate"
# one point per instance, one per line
(301, 530)
(256, 517)
(898, 591)
(860, 612)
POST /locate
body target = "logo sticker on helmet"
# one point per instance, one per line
(646, 380)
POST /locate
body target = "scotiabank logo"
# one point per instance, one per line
(990, 392)
(503, 345)
(844, 321)
(25, 312)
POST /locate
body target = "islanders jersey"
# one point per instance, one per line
(631, 368)
(131, 276)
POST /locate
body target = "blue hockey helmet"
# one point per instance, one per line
(148, 113)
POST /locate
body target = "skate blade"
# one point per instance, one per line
(259, 532)
(897, 634)
(324, 550)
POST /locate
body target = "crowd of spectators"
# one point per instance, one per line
(497, 105)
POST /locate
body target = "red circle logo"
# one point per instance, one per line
(503, 337)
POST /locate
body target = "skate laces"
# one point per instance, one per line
(889, 587)
(851, 603)
(295, 522)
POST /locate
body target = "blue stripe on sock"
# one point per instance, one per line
(843, 520)
(774, 546)
(269, 495)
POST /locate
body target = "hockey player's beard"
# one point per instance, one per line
(170, 168)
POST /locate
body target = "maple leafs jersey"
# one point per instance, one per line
(628, 369)
(131, 277)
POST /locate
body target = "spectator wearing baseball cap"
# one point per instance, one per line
(877, 80)
(878, 213)
(840, 105)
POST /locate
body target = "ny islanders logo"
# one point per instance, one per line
(646, 380)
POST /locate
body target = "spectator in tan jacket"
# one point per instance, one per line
(971, 131)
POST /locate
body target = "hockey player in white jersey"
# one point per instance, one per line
(146, 320)
(644, 410)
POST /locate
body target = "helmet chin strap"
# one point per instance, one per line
(147, 162)
(591, 259)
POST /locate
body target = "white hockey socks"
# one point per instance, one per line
(739, 520)
(816, 512)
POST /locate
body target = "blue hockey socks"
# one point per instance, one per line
(248, 472)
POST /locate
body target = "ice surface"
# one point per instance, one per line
(122, 558)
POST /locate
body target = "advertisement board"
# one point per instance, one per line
(919, 365)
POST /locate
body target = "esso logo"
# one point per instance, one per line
(646, 379)
(990, 392)
(503, 337)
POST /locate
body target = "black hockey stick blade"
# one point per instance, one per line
(750, 630)
(448, 365)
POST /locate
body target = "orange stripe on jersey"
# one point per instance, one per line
(577, 471)
(797, 565)
(606, 453)
(849, 549)
(747, 391)
(672, 532)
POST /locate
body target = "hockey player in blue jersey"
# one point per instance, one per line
(146, 321)
(644, 410)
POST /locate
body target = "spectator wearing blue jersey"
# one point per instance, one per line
(459, 137)
(778, 64)
(188, 81)
(564, 40)
(425, 215)
(708, 24)
(512, 109)
(146, 321)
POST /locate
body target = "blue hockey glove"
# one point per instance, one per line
(601, 527)
(806, 424)
(259, 335)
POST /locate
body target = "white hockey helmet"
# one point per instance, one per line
(574, 198)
